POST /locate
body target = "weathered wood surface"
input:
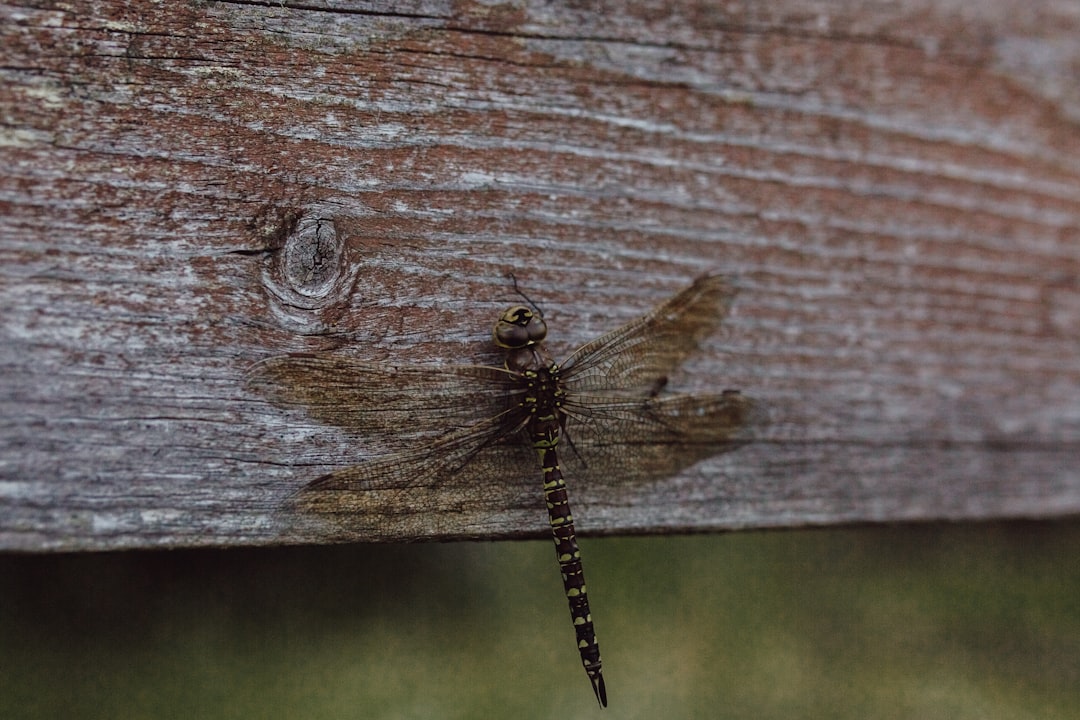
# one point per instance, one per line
(190, 187)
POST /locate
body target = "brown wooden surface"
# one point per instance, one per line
(190, 187)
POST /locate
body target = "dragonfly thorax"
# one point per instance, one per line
(543, 392)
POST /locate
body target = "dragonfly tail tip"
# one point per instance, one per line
(599, 689)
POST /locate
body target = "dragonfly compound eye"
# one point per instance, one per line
(519, 327)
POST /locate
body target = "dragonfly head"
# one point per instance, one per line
(519, 327)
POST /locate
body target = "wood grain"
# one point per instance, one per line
(191, 187)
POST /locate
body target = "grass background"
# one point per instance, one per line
(933, 621)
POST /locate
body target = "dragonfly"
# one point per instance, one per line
(460, 431)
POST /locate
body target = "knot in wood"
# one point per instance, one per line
(309, 278)
(312, 257)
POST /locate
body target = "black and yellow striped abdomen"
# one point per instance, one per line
(544, 432)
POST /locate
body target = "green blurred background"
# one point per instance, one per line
(935, 621)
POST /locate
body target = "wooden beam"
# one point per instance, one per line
(191, 187)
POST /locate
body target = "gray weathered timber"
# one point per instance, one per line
(190, 187)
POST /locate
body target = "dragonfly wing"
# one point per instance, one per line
(620, 439)
(459, 481)
(638, 357)
(384, 400)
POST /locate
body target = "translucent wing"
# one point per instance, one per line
(467, 476)
(637, 358)
(463, 478)
(616, 439)
(456, 430)
(385, 400)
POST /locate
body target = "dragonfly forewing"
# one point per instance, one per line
(638, 357)
(397, 404)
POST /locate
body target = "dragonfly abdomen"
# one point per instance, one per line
(545, 437)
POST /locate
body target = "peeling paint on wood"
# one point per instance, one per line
(188, 188)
